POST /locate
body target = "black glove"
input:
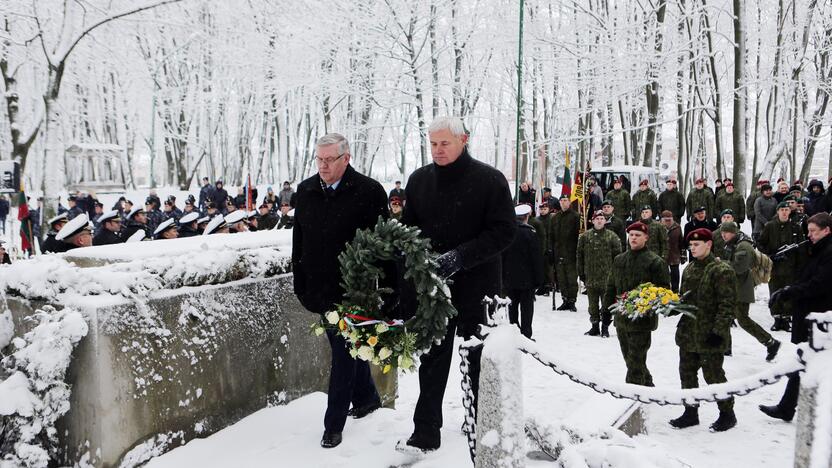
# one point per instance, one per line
(448, 263)
(714, 340)
(780, 295)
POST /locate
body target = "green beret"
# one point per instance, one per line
(564, 197)
(606, 203)
(726, 211)
(782, 204)
(646, 207)
(789, 198)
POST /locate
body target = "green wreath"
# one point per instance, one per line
(371, 336)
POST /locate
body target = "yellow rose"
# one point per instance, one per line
(342, 325)
(372, 341)
(386, 369)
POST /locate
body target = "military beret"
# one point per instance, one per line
(547, 189)
(164, 226)
(646, 207)
(789, 198)
(726, 211)
(522, 210)
(188, 218)
(643, 182)
(671, 181)
(60, 217)
(797, 182)
(235, 216)
(667, 214)
(597, 214)
(701, 234)
(729, 184)
(606, 203)
(730, 226)
(700, 180)
(639, 226)
(216, 223)
(765, 187)
(782, 204)
(73, 227)
(543, 205)
(136, 210)
(699, 209)
(112, 214)
(727, 179)
(564, 196)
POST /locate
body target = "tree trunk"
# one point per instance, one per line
(652, 91)
(738, 129)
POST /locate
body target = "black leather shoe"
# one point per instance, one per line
(361, 411)
(775, 412)
(331, 439)
(424, 442)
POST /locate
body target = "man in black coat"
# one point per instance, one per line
(219, 196)
(464, 207)
(110, 232)
(811, 293)
(331, 206)
(204, 194)
(699, 221)
(523, 271)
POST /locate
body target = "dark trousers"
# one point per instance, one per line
(634, 347)
(800, 334)
(349, 382)
(711, 365)
(524, 300)
(674, 278)
(433, 378)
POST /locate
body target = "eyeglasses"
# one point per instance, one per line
(328, 161)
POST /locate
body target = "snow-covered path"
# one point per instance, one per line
(288, 436)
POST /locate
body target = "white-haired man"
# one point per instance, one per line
(465, 208)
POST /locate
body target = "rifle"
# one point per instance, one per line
(785, 250)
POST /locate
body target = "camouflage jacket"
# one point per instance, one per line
(657, 243)
(711, 286)
(733, 202)
(539, 228)
(674, 202)
(645, 197)
(740, 254)
(697, 198)
(564, 234)
(621, 201)
(596, 251)
(629, 270)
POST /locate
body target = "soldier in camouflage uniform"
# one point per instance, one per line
(564, 233)
(644, 196)
(777, 233)
(739, 253)
(658, 233)
(672, 200)
(620, 199)
(711, 286)
(597, 248)
(614, 223)
(700, 196)
(544, 219)
(729, 199)
(726, 216)
(630, 269)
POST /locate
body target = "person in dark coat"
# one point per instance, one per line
(523, 271)
(527, 196)
(110, 232)
(332, 205)
(675, 248)
(470, 233)
(810, 293)
(4, 212)
(397, 192)
(699, 221)
(817, 199)
(267, 220)
(672, 200)
(205, 194)
(74, 208)
(154, 214)
(50, 244)
(188, 226)
(219, 196)
(136, 220)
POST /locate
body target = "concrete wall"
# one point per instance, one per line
(193, 360)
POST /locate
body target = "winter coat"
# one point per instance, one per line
(739, 253)
(645, 197)
(52, 245)
(629, 270)
(187, 231)
(285, 195)
(749, 205)
(817, 202)
(712, 285)
(528, 197)
(700, 197)
(131, 227)
(765, 209)
(675, 244)
(205, 195)
(596, 251)
(466, 206)
(776, 234)
(324, 225)
(673, 201)
(154, 219)
(219, 196)
(522, 260)
(616, 225)
(811, 293)
(6, 260)
(564, 234)
(695, 224)
(75, 211)
(621, 202)
(540, 230)
(267, 222)
(731, 201)
(107, 237)
(240, 201)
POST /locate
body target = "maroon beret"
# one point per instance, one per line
(639, 226)
(700, 234)
(643, 182)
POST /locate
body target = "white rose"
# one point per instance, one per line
(353, 353)
(365, 353)
(381, 328)
(332, 317)
(384, 353)
(319, 331)
(405, 362)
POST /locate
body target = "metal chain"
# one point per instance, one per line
(469, 424)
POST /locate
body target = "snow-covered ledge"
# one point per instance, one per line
(185, 337)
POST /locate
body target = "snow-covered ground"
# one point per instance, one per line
(288, 436)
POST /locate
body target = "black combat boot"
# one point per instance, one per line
(331, 439)
(424, 442)
(605, 330)
(689, 418)
(571, 306)
(594, 331)
(564, 306)
(725, 421)
(775, 412)
(772, 347)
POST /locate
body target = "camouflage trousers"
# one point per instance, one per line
(567, 274)
(597, 314)
(711, 365)
(634, 347)
(750, 326)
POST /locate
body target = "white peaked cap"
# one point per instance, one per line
(107, 216)
(215, 223)
(163, 226)
(236, 216)
(189, 218)
(73, 226)
(522, 210)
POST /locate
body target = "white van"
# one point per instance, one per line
(631, 176)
